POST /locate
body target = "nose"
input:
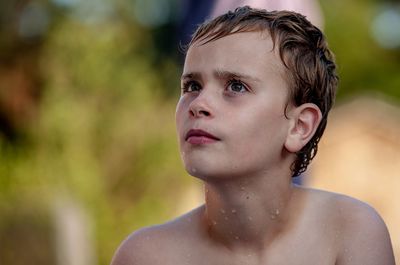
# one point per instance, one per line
(199, 113)
(200, 107)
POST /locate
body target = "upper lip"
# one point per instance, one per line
(198, 132)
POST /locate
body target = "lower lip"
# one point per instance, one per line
(198, 140)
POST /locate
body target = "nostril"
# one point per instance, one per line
(199, 113)
(204, 112)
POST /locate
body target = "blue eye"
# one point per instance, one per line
(237, 86)
(191, 86)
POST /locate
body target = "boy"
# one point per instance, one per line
(257, 87)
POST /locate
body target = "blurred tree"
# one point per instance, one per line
(93, 89)
(364, 66)
(23, 25)
(103, 132)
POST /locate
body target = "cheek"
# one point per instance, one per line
(260, 121)
(181, 118)
(179, 112)
(259, 130)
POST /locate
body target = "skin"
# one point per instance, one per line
(234, 88)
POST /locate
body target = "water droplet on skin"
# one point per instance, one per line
(274, 213)
(236, 237)
(226, 218)
(194, 170)
(242, 188)
(214, 222)
(222, 211)
(233, 211)
(250, 218)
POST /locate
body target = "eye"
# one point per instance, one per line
(191, 86)
(237, 86)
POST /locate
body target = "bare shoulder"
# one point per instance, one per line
(137, 247)
(157, 244)
(365, 236)
(362, 234)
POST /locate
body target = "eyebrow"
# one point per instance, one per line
(221, 74)
(193, 75)
(231, 74)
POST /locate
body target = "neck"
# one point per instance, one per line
(248, 212)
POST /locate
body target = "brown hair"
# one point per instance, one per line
(302, 49)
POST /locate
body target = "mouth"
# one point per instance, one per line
(197, 137)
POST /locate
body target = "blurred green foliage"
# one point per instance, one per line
(104, 132)
(364, 66)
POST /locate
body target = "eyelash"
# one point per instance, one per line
(237, 81)
(187, 86)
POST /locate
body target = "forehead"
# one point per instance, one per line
(252, 53)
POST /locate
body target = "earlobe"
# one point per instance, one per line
(305, 120)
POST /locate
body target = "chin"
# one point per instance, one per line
(197, 169)
(213, 170)
(202, 169)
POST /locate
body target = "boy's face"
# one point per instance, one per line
(233, 89)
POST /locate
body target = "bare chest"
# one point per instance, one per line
(309, 251)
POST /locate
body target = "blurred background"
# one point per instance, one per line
(88, 88)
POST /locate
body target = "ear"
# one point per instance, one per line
(304, 121)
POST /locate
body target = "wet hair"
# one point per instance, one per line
(309, 64)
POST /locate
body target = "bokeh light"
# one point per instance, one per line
(386, 27)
